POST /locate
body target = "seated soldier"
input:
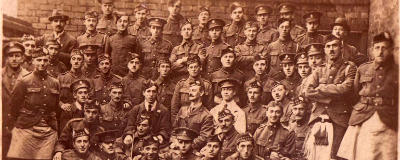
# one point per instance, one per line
(228, 92)
(196, 116)
(255, 111)
(164, 82)
(133, 81)
(244, 148)
(273, 141)
(227, 133)
(292, 78)
(211, 150)
(81, 144)
(299, 125)
(149, 150)
(106, 147)
(280, 96)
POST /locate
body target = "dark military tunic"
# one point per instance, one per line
(291, 84)
(165, 91)
(307, 38)
(154, 50)
(228, 146)
(267, 35)
(92, 38)
(141, 31)
(256, 115)
(72, 154)
(236, 156)
(133, 84)
(245, 56)
(233, 33)
(106, 25)
(275, 49)
(171, 31)
(76, 112)
(301, 129)
(89, 71)
(114, 116)
(186, 48)
(212, 61)
(296, 31)
(266, 83)
(100, 155)
(56, 67)
(200, 35)
(102, 85)
(66, 79)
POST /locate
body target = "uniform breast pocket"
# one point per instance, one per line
(33, 93)
(366, 79)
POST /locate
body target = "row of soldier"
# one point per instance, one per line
(267, 90)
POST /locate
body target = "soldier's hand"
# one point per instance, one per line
(137, 157)
(274, 156)
(66, 107)
(127, 106)
(57, 156)
(128, 139)
(159, 138)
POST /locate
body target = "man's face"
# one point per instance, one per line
(184, 146)
(262, 18)
(312, 26)
(187, 31)
(260, 67)
(41, 63)
(122, 23)
(53, 50)
(338, 31)
(58, 25)
(254, 94)
(29, 46)
(150, 152)
(107, 147)
(175, 9)
(381, 51)
(228, 93)
(304, 70)
(194, 69)
(226, 123)
(141, 15)
(91, 115)
(155, 31)
(287, 15)
(164, 69)
(251, 33)
(245, 149)
(90, 58)
(14, 60)
(332, 50)
(237, 14)
(81, 95)
(278, 93)
(195, 93)
(116, 95)
(150, 94)
(76, 61)
(215, 33)
(143, 128)
(81, 144)
(288, 69)
(274, 114)
(203, 17)
(213, 149)
(104, 66)
(90, 23)
(134, 65)
(315, 60)
(227, 59)
(284, 29)
(107, 8)
(298, 111)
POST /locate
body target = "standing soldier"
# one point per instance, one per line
(12, 71)
(200, 32)
(266, 34)
(299, 125)
(292, 78)
(154, 48)
(140, 28)
(90, 55)
(81, 144)
(331, 87)
(34, 112)
(171, 28)
(120, 44)
(164, 82)
(233, 32)
(133, 81)
(312, 22)
(91, 35)
(56, 67)
(212, 58)
(373, 124)
(255, 111)
(29, 43)
(245, 147)
(307, 62)
(286, 10)
(58, 21)
(106, 23)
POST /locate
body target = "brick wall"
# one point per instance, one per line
(356, 11)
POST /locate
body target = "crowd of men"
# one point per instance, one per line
(170, 89)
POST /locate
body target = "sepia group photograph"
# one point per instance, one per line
(199, 79)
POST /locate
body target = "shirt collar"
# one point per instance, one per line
(78, 106)
(58, 35)
(153, 106)
(10, 72)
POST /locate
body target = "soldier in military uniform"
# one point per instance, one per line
(212, 148)
(315, 54)
(81, 143)
(90, 56)
(249, 49)
(120, 44)
(286, 10)
(266, 34)
(58, 22)
(155, 47)
(255, 111)
(312, 22)
(80, 90)
(133, 81)
(304, 71)
(180, 53)
(140, 28)
(90, 121)
(91, 35)
(56, 67)
(106, 147)
(279, 93)
(181, 92)
(233, 32)
(196, 116)
(245, 145)
(200, 32)
(299, 125)
(149, 150)
(171, 28)
(12, 71)
(103, 81)
(284, 44)
(330, 86)
(373, 123)
(29, 43)
(212, 58)
(165, 83)
(106, 23)
(184, 141)
(226, 132)
(34, 111)
(272, 140)
(292, 78)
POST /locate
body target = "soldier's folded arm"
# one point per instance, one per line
(342, 88)
(175, 102)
